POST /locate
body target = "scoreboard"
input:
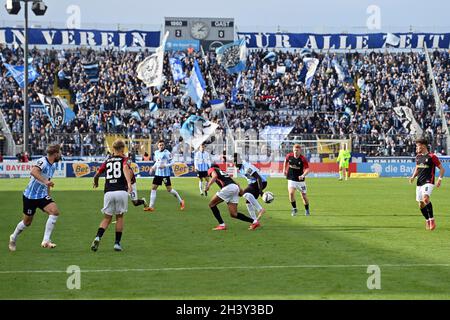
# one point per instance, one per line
(209, 33)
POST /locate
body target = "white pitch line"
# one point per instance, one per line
(234, 267)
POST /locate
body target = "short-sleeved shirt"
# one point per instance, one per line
(426, 166)
(163, 158)
(296, 166)
(114, 175)
(36, 189)
(248, 170)
(223, 179)
(202, 161)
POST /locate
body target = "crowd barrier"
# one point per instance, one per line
(82, 169)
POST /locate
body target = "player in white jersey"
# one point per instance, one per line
(202, 163)
(37, 195)
(256, 185)
(162, 167)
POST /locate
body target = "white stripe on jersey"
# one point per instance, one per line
(202, 161)
(36, 189)
(163, 158)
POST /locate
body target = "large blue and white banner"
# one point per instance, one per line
(18, 73)
(91, 38)
(345, 41)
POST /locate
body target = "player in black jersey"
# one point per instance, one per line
(426, 163)
(229, 192)
(117, 187)
(295, 169)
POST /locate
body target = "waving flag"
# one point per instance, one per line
(217, 105)
(153, 107)
(392, 40)
(150, 71)
(196, 130)
(233, 56)
(308, 71)
(196, 85)
(177, 69)
(343, 74)
(57, 110)
(18, 73)
(338, 98)
(235, 89)
(91, 71)
(406, 116)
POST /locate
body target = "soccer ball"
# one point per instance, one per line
(267, 197)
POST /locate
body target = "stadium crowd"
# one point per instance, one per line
(119, 103)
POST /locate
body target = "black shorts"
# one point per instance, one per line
(30, 205)
(158, 180)
(253, 189)
(202, 174)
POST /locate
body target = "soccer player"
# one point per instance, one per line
(229, 192)
(344, 160)
(295, 169)
(426, 164)
(256, 185)
(37, 195)
(117, 187)
(162, 168)
(202, 163)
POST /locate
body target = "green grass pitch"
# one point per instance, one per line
(169, 254)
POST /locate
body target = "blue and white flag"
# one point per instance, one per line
(136, 115)
(196, 85)
(342, 72)
(338, 98)
(18, 72)
(115, 121)
(392, 40)
(177, 69)
(150, 71)
(153, 107)
(57, 110)
(308, 71)
(217, 105)
(271, 56)
(91, 70)
(196, 130)
(235, 90)
(233, 56)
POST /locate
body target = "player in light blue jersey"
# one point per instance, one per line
(202, 163)
(162, 167)
(37, 195)
(256, 185)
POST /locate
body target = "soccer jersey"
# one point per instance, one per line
(163, 158)
(223, 179)
(202, 161)
(35, 188)
(344, 156)
(426, 168)
(296, 166)
(115, 177)
(247, 170)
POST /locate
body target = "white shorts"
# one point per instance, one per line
(426, 189)
(229, 193)
(115, 202)
(134, 194)
(299, 185)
